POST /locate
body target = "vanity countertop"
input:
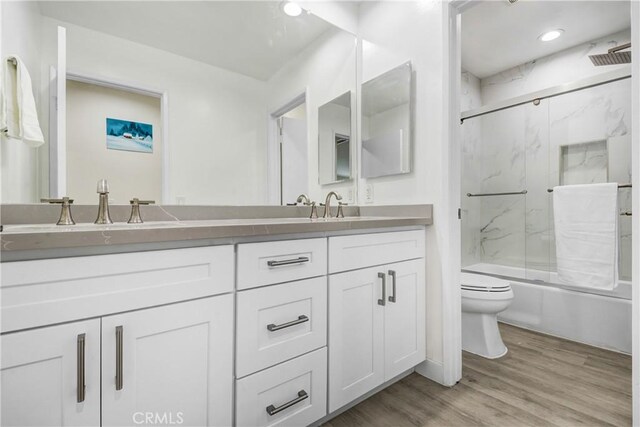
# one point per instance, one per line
(190, 227)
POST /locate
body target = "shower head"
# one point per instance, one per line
(613, 56)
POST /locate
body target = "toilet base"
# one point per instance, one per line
(481, 336)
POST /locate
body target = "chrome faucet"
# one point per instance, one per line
(103, 207)
(303, 198)
(327, 204)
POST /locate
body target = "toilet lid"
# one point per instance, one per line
(481, 283)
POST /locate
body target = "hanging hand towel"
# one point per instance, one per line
(18, 114)
(586, 228)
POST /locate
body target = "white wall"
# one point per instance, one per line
(21, 34)
(131, 174)
(217, 118)
(393, 33)
(324, 70)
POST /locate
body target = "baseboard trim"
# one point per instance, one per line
(361, 398)
(432, 370)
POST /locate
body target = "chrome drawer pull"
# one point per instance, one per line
(119, 343)
(301, 319)
(80, 374)
(392, 298)
(272, 410)
(383, 300)
(298, 260)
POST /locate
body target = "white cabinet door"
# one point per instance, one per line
(404, 323)
(169, 365)
(356, 335)
(42, 376)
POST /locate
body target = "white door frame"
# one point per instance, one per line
(451, 297)
(140, 90)
(635, 230)
(274, 176)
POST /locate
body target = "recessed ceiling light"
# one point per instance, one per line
(550, 35)
(292, 9)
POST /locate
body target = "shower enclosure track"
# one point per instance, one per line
(535, 97)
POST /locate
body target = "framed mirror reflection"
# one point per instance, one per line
(174, 101)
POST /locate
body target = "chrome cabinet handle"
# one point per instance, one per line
(383, 300)
(81, 387)
(272, 410)
(298, 260)
(392, 298)
(301, 319)
(119, 336)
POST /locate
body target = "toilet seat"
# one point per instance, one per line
(484, 287)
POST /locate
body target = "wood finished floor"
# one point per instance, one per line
(542, 381)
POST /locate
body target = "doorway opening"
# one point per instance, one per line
(292, 152)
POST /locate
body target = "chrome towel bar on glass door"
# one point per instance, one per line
(497, 194)
(550, 190)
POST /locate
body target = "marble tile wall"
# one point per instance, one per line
(562, 67)
(522, 148)
(472, 166)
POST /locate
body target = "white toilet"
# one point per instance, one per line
(483, 297)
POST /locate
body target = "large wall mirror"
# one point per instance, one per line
(181, 102)
(334, 140)
(387, 123)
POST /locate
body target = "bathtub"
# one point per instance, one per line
(596, 317)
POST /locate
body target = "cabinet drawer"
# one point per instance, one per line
(277, 323)
(366, 250)
(292, 394)
(43, 292)
(267, 263)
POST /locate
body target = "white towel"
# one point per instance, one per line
(586, 228)
(18, 114)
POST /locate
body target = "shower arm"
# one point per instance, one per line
(621, 47)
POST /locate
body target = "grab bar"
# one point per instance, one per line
(497, 194)
(550, 190)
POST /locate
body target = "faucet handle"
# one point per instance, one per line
(340, 213)
(135, 217)
(103, 186)
(65, 213)
(314, 211)
(57, 201)
(135, 200)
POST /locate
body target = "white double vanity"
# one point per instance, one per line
(254, 332)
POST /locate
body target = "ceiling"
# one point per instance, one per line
(498, 35)
(254, 38)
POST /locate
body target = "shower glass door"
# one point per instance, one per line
(494, 201)
(590, 142)
(580, 137)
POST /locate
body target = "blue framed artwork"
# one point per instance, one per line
(129, 136)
